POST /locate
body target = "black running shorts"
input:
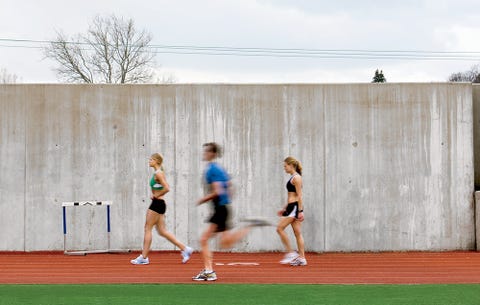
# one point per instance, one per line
(158, 205)
(291, 210)
(221, 217)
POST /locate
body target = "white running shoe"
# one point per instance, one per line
(288, 258)
(205, 276)
(299, 261)
(186, 254)
(140, 260)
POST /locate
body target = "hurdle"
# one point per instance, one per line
(88, 203)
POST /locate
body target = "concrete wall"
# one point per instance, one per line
(387, 167)
(476, 132)
(477, 217)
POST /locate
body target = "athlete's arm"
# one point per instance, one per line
(216, 188)
(297, 182)
(280, 212)
(160, 178)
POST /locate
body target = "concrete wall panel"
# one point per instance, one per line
(476, 132)
(397, 164)
(12, 167)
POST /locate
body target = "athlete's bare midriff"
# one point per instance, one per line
(292, 197)
(155, 194)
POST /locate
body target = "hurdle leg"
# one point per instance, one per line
(109, 249)
(64, 230)
(108, 227)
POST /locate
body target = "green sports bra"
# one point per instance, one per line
(154, 184)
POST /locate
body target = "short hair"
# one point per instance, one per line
(213, 147)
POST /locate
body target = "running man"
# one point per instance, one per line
(220, 222)
(156, 214)
(292, 214)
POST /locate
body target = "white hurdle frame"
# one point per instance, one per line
(87, 203)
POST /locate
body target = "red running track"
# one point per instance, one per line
(165, 267)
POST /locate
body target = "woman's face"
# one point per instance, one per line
(151, 162)
(288, 168)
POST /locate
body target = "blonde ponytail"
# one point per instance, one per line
(295, 163)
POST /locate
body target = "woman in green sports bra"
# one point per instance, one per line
(156, 214)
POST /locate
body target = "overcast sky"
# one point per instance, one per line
(430, 25)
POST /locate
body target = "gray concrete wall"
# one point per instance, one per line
(476, 132)
(477, 218)
(387, 167)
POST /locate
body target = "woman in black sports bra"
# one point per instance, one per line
(292, 214)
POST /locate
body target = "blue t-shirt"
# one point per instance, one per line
(215, 173)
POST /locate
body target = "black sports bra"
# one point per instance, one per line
(290, 187)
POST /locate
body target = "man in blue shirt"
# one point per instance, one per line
(217, 177)
(220, 194)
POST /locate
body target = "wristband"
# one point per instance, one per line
(300, 211)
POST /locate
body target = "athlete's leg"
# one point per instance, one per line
(161, 229)
(206, 253)
(151, 220)
(297, 230)
(229, 238)
(282, 224)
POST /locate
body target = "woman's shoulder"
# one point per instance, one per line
(296, 178)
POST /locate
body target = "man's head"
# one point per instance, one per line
(211, 151)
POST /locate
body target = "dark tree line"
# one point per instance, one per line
(471, 76)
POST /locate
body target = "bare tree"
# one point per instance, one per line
(112, 51)
(471, 76)
(7, 78)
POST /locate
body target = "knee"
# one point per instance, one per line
(280, 230)
(225, 243)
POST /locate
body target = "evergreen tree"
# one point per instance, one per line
(379, 77)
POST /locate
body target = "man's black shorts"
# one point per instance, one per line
(221, 217)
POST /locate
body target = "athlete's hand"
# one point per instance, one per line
(301, 217)
(280, 212)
